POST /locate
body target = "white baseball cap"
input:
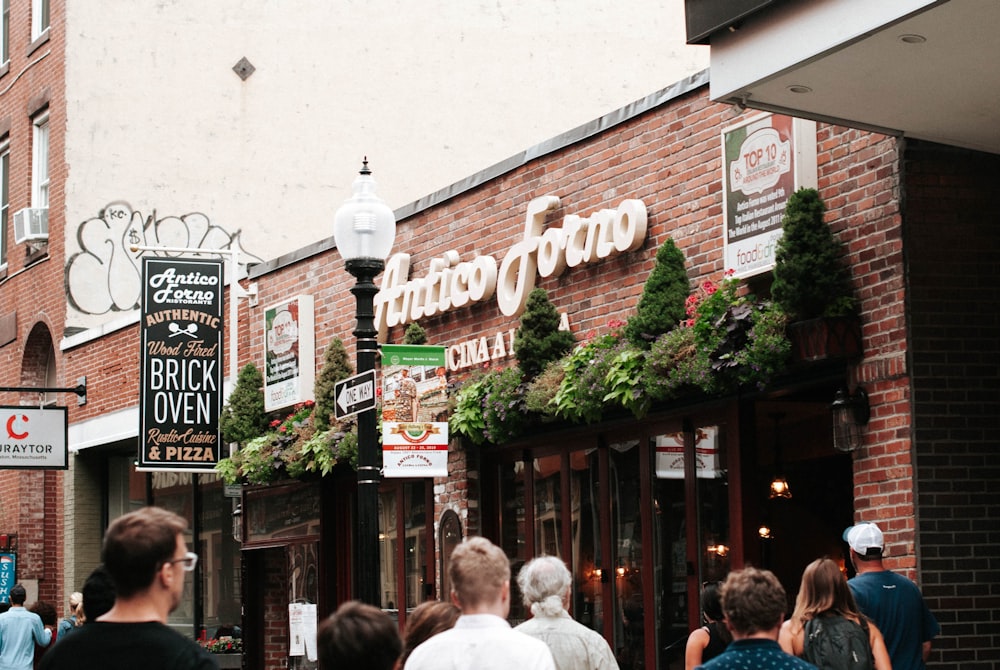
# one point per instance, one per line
(865, 539)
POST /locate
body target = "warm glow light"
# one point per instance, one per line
(596, 574)
(620, 570)
(779, 488)
(720, 550)
(764, 531)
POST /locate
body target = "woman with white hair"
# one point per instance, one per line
(545, 587)
(68, 623)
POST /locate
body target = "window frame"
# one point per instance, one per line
(5, 219)
(40, 145)
(41, 18)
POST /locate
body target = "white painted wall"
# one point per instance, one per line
(431, 91)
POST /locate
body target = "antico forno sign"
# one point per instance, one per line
(181, 330)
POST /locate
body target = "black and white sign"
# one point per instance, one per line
(33, 438)
(181, 332)
(355, 394)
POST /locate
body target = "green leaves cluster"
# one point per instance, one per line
(307, 440)
(810, 277)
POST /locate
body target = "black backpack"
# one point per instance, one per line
(837, 643)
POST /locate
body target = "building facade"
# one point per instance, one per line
(639, 535)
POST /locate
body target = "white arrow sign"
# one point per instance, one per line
(355, 394)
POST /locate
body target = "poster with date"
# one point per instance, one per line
(181, 383)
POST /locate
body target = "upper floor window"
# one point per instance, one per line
(4, 31)
(40, 162)
(4, 198)
(39, 17)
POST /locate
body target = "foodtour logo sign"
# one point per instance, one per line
(181, 332)
(33, 438)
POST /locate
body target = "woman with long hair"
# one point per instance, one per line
(824, 595)
(711, 639)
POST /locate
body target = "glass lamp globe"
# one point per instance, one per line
(364, 226)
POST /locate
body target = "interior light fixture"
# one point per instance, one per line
(912, 38)
(765, 532)
(779, 485)
(799, 88)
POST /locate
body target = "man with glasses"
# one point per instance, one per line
(147, 558)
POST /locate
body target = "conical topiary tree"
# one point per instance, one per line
(336, 367)
(538, 340)
(810, 277)
(243, 417)
(661, 306)
(415, 334)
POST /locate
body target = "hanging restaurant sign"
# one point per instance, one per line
(33, 438)
(181, 331)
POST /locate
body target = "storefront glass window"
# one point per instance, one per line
(219, 555)
(670, 546)
(626, 529)
(415, 558)
(548, 490)
(587, 567)
(174, 491)
(512, 529)
(387, 547)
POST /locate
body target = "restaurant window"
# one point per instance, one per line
(450, 535)
(406, 550)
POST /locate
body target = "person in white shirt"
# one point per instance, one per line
(545, 586)
(481, 639)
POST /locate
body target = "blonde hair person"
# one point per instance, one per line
(822, 593)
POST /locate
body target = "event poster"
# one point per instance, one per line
(414, 411)
(289, 353)
(764, 160)
(670, 454)
(181, 335)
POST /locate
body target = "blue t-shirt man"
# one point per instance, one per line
(892, 601)
(20, 631)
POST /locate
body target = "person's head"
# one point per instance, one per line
(426, 620)
(866, 541)
(753, 601)
(358, 636)
(480, 574)
(544, 584)
(823, 589)
(74, 601)
(17, 595)
(46, 612)
(711, 601)
(143, 546)
(98, 594)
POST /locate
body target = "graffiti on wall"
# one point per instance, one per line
(105, 276)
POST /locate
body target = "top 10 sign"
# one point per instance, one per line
(33, 438)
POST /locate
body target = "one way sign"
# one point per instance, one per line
(355, 394)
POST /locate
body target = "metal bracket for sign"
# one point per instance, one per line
(80, 390)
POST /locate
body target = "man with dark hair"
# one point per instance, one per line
(754, 604)
(20, 631)
(359, 637)
(481, 638)
(892, 601)
(147, 558)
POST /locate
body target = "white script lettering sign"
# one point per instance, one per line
(451, 283)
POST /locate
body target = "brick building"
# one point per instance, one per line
(639, 539)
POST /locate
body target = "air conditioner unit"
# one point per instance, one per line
(31, 223)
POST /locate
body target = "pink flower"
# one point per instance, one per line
(275, 423)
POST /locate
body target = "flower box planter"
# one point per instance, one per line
(229, 660)
(826, 339)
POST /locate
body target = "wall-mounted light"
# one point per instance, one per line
(851, 412)
(238, 523)
(765, 532)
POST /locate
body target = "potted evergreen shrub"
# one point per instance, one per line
(812, 283)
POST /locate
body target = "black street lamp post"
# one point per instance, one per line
(364, 230)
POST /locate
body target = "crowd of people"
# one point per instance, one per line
(875, 621)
